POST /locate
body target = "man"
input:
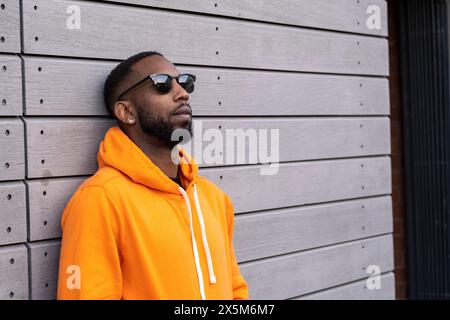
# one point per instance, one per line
(144, 227)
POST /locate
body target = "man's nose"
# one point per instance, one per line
(179, 91)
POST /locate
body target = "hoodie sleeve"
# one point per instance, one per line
(89, 266)
(240, 287)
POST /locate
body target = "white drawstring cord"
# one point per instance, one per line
(212, 277)
(194, 246)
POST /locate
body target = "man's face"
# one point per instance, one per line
(155, 111)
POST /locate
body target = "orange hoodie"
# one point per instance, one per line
(130, 232)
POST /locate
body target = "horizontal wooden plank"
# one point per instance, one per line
(58, 86)
(13, 272)
(303, 183)
(10, 26)
(282, 231)
(52, 144)
(13, 213)
(44, 262)
(12, 146)
(259, 140)
(47, 199)
(341, 15)
(211, 40)
(296, 274)
(315, 182)
(11, 88)
(298, 139)
(357, 291)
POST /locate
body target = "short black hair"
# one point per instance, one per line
(118, 75)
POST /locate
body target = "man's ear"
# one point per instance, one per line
(125, 112)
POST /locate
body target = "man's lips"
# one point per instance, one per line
(185, 109)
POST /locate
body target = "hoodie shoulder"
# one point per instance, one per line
(103, 177)
(210, 187)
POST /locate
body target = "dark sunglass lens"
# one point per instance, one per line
(162, 83)
(187, 82)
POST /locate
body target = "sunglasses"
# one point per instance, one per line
(163, 83)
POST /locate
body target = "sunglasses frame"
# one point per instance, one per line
(152, 78)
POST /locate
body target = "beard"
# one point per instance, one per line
(154, 125)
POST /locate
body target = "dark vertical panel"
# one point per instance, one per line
(405, 59)
(445, 125)
(425, 90)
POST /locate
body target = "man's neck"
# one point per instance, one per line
(158, 152)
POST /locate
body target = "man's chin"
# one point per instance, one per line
(183, 125)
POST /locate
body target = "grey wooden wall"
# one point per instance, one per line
(311, 68)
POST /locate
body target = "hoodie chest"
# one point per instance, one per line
(159, 228)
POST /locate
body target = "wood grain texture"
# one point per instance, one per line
(281, 231)
(211, 40)
(11, 85)
(340, 15)
(301, 183)
(63, 146)
(10, 26)
(59, 86)
(12, 149)
(357, 291)
(13, 272)
(252, 141)
(291, 275)
(47, 199)
(13, 212)
(44, 262)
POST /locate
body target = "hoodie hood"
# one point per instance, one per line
(118, 151)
